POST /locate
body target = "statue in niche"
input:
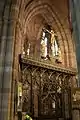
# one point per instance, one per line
(23, 52)
(44, 46)
(55, 49)
(54, 44)
(28, 49)
(60, 56)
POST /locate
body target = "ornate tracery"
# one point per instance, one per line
(46, 90)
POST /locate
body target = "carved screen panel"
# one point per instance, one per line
(48, 95)
(26, 91)
(45, 92)
(36, 86)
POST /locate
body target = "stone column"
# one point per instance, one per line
(75, 12)
(6, 56)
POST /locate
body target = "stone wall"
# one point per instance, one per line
(21, 20)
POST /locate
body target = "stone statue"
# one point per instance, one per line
(59, 55)
(54, 45)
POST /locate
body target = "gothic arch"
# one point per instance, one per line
(27, 14)
(30, 13)
(49, 14)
